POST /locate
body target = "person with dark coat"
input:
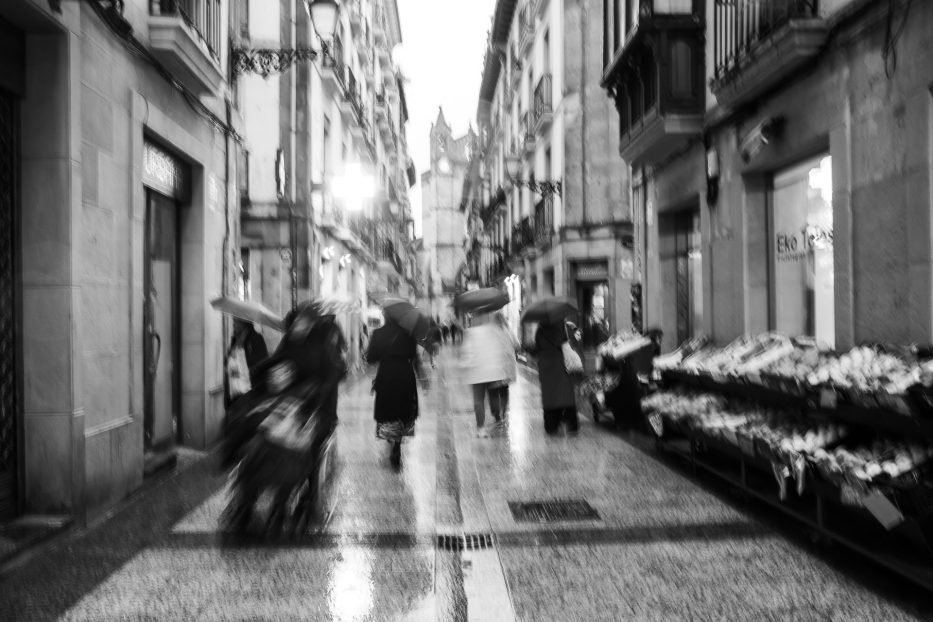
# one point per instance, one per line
(307, 366)
(395, 385)
(558, 397)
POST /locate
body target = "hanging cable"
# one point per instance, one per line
(891, 36)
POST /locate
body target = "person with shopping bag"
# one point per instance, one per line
(490, 367)
(559, 363)
(246, 352)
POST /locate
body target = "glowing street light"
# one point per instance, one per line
(354, 187)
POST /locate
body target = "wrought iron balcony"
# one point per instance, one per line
(495, 202)
(758, 43)
(543, 109)
(656, 79)
(544, 220)
(523, 236)
(186, 36)
(526, 29)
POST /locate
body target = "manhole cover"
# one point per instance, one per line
(552, 511)
(465, 542)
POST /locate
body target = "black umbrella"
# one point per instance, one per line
(549, 310)
(484, 299)
(407, 315)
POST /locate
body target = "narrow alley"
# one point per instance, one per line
(438, 540)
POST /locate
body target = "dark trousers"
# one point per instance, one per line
(554, 416)
(498, 402)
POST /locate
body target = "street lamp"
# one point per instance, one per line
(513, 165)
(323, 15)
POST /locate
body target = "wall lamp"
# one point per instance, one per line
(266, 61)
(513, 164)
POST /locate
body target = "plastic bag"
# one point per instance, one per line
(238, 373)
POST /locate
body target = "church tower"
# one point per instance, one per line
(443, 223)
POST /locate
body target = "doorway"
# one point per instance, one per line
(160, 322)
(681, 264)
(9, 306)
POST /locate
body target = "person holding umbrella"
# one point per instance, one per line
(554, 350)
(488, 355)
(393, 347)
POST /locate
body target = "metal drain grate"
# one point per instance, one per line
(552, 511)
(465, 542)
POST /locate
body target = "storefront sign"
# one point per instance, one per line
(591, 271)
(165, 173)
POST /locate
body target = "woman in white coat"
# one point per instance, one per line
(489, 354)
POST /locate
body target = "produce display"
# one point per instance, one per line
(743, 355)
(621, 345)
(867, 370)
(867, 376)
(869, 463)
(673, 359)
(851, 432)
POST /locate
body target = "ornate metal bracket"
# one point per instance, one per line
(265, 62)
(545, 188)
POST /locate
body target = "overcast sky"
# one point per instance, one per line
(442, 51)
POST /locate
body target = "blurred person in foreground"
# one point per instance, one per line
(489, 360)
(395, 386)
(558, 395)
(282, 425)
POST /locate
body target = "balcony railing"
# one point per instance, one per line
(741, 25)
(523, 235)
(526, 33)
(544, 220)
(203, 17)
(542, 102)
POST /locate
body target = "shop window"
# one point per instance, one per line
(801, 249)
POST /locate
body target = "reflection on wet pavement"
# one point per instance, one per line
(663, 548)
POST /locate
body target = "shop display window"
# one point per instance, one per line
(801, 249)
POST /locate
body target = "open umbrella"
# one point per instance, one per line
(483, 299)
(249, 311)
(549, 310)
(412, 321)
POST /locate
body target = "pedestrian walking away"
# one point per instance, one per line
(489, 362)
(558, 399)
(395, 385)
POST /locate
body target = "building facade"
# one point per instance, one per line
(560, 223)
(326, 211)
(118, 168)
(444, 224)
(781, 163)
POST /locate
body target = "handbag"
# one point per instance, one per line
(572, 361)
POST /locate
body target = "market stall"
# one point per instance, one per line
(842, 442)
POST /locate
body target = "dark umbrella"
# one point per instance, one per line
(549, 310)
(484, 299)
(406, 315)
